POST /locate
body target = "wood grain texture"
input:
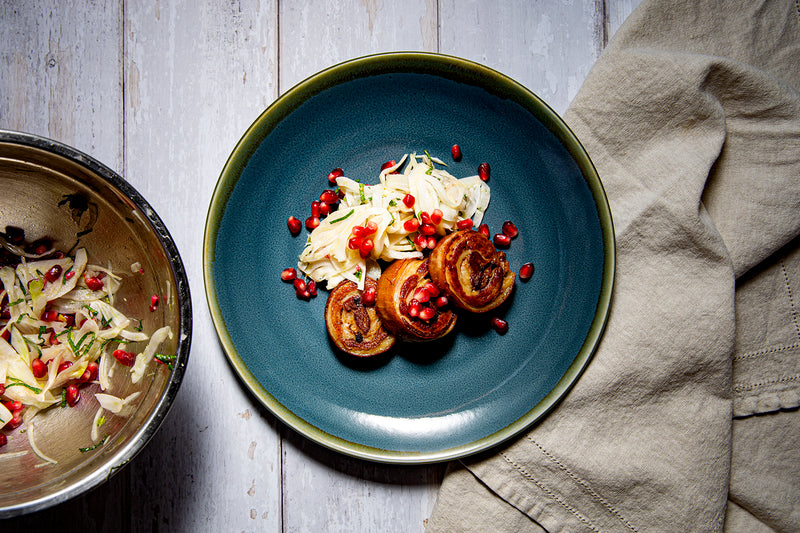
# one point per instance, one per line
(161, 91)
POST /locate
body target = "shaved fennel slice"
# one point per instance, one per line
(144, 358)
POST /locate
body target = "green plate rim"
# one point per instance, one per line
(463, 70)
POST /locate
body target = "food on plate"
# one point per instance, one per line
(471, 271)
(352, 321)
(60, 333)
(413, 233)
(415, 203)
(409, 305)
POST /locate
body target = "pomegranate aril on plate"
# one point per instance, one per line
(53, 274)
(288, 274)
(294, 225)
(483, 171)
(510, 229)
(464, 224)
(526, 271)
(499, 325)
(409, 200)
(333, 174)
(426, 313)
(369, 296)
(501, 240)
(484, 228)
(411, 225)
(312, 222)
(455, 151)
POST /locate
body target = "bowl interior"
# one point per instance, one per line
(52, 191)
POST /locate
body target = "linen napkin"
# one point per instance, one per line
(686, 419)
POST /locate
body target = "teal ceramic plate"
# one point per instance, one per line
(424, 402)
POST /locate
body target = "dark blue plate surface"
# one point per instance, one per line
(422, 402)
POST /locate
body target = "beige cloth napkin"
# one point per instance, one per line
(687, 417)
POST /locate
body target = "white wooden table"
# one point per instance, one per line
(161, 91)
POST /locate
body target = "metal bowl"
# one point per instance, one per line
(51, 190)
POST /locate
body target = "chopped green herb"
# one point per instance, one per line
(101, 420)
(165, 359)
(361, 193)
(90, 448)
(392, 202)
(33, 389)
(139, 327)
(344, 217)
(63, 396)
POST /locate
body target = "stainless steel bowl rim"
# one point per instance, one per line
(153, 422)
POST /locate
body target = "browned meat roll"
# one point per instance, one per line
(474, 274)
(409, 305)
(352, 321)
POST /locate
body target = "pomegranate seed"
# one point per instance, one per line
(6, 336)
(90, 374)
(53, 339)
(299, 285)
(427, 229)
(311, 287)
(304, 295)
(38, 368)
(369, 296)
(421, 295)
(3, 439)
(456, 152)
(484, 228)
(329, 197)
(414, 308)
(294, 225)
(526, 271)
(315, 212)
(366, 247)
(288, 274)
(411, 225)
(421, 241)
(50, 316)
(335, 173)
(16, 419)
(13, 405)
(425, 218)
(354, 243)
(484, 171)
(431, 242)
(431, 289)
(441, 301)
(388, 164)
(372, 227)
(324, 209)
(68, 275)
(312, 222)
(54, 273)
(409, 200)
(125, 358)
(359, 231)
(2, 389)
(464, 224)
(510, 229)
(153, 303)
(436, 216)
(63, 366)
(500, 325)
(93, 283)
(426, 313)
(501, 240)
(73, 395)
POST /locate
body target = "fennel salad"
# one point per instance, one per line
(62, 339)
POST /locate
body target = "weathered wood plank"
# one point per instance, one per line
(546, 45)
(196, 75)
(323, 490)
(60, 74)
(60, 77)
